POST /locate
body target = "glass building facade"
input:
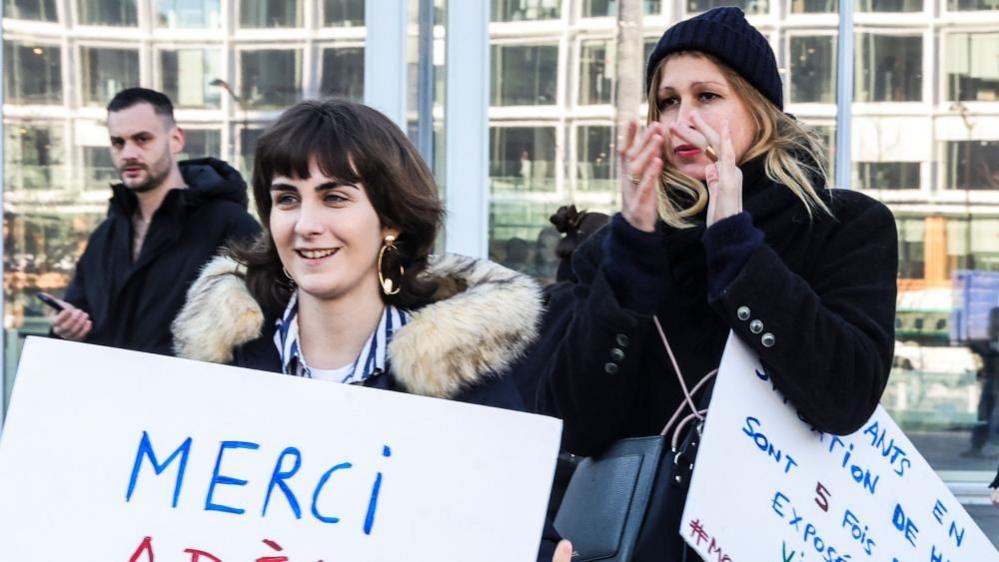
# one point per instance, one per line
(924, 130)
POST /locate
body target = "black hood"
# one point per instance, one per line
(206, 179)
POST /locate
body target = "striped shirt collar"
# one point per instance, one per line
(370, 362)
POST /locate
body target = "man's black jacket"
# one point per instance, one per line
(132, 305)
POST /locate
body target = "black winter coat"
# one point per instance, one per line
(824, 288)
(132, 305)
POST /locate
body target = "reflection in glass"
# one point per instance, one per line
(521, 238)
(599, 8)
(522, 158)
(247, 144)
(187, 14)
(270, 13)
(972, 164)
(888, 68)
(813, 6)
(595, 158)
(827, 136)
(270, 78)
(186, 75)
(751, 7)
(596, 72)
(524, 74)
(813, 69)
(39, 10)
(199, 143)
(343, 13)
(98, 169)
(105, 72)
(107, 12)
(970, 5)
(343, 73)
(32, 74)
(890, 5)
(910, 248)
(972, 66)
(521, 10)
(887, 175)
(34, 157)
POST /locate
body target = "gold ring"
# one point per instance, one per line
(634, 180)
(709, 151)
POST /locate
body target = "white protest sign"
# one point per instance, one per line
(768, 487)
(111, 455)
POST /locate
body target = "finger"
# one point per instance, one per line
(689, 136)
(642, 140)
(653, 148)
(728, 148)
(711, 176)
(563, 552)
(710, 134)
(650, 180)
(629, 137)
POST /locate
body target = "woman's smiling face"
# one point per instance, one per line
(326, 233)
(690, 83)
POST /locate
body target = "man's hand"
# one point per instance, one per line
(71, 323)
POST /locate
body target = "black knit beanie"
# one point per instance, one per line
(724, 33)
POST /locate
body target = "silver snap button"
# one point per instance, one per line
(756, 326)
(768, 340)
(616, 354)
(611, 368)
(743, 313)
(623, 340)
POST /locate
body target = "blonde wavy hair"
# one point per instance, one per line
(794, 152)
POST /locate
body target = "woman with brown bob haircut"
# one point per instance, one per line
(341, 286)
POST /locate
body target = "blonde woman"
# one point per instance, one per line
(727, 224)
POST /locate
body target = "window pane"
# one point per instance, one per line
(199, 143)
(107, 12)
(343, 13)
(271, 78)
(524, 75)
(522, 158)
(813, 6)
(343, 73)
(599, 8)
(186, 76)
(98, 169)
(751, 7)
(34, 157)
(519, 10)
(956, 5)
(522, 238)
(887, 175)
(595, 169)
(653, 7)
(813, 69)
(32, 74)
(827, 135)
(972, 66)
(888, 68)
(41, 10)
(247, 144)
(910, 248)
(187, 14)
(270, 13)
(105, 72)
(972, 164)
(596, 73)
(890, 5)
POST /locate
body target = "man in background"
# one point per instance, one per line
(166, 219)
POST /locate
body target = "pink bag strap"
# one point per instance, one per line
(688, 395)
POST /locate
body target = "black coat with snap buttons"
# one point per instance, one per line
(815, 301)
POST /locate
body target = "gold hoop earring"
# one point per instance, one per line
(288, 275)
(388, 287)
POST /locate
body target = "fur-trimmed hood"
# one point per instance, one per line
(482, 317)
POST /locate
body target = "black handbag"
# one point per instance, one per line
(625, 504)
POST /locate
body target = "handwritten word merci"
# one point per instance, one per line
(286, 466)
